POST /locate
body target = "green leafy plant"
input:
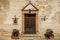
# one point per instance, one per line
(49, 34)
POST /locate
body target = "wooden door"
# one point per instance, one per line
(30, 24)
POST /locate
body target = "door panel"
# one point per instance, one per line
(30, 24)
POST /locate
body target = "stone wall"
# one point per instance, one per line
(50, 9)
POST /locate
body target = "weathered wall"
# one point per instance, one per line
(50, 9)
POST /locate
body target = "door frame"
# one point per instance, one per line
(32, 12)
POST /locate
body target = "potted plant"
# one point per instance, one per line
(49, 34)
